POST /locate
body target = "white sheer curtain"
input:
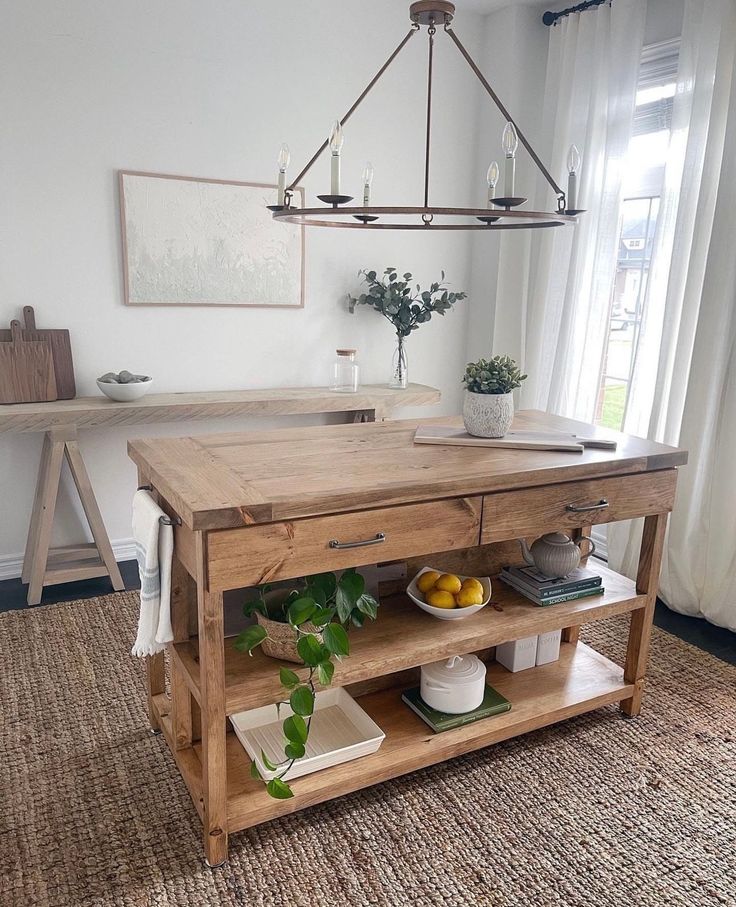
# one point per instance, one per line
(589, 99)
(684, 384)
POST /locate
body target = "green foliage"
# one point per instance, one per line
(318, 608)
(404, 308)
(499, 375)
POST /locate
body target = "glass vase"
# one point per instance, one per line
(399, 365)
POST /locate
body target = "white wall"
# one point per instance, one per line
(514, 59)
(211, 90)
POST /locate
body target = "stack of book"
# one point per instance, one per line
(493, 704)
(544, 590)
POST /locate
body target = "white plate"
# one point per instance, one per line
(448, 613)
(340, 730)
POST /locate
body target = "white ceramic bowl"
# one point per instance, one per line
(124, 393)
(448, 613)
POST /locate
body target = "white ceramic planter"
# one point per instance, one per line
(454, 686)
(488, 415)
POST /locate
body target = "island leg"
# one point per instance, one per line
(183, 597)
(572, 634)
(640, 630)
(213, 727)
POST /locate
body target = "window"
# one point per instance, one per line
(642, 189)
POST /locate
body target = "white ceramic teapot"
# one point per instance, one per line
(554, 554)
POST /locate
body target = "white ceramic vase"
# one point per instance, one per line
(488, 415)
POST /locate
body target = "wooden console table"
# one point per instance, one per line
(265, 506)
(61, 419)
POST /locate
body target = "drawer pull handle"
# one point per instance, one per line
(380, 537)
(601, 505)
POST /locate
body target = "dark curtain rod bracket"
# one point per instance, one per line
(550, 18)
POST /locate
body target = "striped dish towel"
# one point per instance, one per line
(154, 546)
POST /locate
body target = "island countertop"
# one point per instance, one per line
(238, 479)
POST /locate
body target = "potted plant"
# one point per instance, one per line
(305, 623)
(488, 407)
(405, 309)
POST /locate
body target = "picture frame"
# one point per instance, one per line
(196, 241)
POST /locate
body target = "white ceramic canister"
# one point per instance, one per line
(455, 686)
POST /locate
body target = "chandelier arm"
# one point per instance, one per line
(497, 101)
(355, 106)
(429, 113)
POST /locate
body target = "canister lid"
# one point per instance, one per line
(346, 352)
(456, 671)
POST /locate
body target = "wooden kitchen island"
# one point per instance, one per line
(273, 505)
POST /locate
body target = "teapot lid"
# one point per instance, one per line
(457, 670)
(556, 538)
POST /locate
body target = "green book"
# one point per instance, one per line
(493, 704)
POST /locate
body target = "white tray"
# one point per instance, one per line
(340, 730)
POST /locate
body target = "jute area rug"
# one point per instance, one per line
(596, 811)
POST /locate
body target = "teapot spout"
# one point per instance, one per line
(526, 553)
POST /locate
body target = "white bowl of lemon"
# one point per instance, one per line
(449, 596)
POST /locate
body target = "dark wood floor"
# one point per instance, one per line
(716, 640)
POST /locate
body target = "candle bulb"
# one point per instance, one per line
(336, 140)
(573, 167)
(367, 180)
(492, 179)
(510, 142)
(283, 162)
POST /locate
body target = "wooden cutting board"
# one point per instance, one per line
(61, 352)
(26, 369)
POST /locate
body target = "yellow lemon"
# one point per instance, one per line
(440, 599)
(427, 580)
(448, 582)
(467, 597)
(472, 583)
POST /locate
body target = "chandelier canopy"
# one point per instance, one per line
(502, 212)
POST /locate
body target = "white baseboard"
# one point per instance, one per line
(11, 565)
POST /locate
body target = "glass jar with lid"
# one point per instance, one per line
(345, 372)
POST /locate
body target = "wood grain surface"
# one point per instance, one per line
(301, 547)
(287, 401)
(26, 369)
(231, 480)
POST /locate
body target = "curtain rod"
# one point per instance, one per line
(550, 18)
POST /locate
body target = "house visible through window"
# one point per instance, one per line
(642, 188)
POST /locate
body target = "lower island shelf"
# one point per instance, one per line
(582, 680)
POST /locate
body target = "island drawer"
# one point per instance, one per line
(569, 505)
(268, 552)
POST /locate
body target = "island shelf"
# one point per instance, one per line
(403, 636)
(580, 681)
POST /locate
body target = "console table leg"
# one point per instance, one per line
(39, 535)
(213, 719)
(92, 512)
(640, 630)
(43, 468)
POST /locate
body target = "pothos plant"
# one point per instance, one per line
(319, 609)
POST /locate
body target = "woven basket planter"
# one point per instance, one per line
(281, 641)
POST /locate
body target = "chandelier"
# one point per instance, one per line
(503, 211)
